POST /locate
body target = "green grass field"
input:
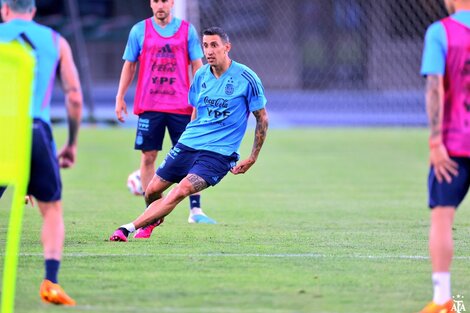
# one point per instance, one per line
(327, 221)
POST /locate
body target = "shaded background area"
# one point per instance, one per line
(323, 62)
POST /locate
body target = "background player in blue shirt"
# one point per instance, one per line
(52, 51)
(223, 93)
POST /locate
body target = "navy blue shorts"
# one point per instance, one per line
(151, 129)
(183, 160)
(444, 194)
(44, 178)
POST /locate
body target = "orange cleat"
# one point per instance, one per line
(53, 293)
(436, 308)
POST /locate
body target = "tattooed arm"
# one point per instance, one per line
(73, 101)
(260, 135)
(435, 106)
(444, 167)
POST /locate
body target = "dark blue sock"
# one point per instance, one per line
(194, 201)
(52, 269)
(124, 231)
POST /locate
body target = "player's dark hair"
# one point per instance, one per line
(20, 6)
(214, 30)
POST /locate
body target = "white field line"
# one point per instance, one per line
(102, 309)
(242, 255)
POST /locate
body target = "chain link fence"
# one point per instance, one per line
(323, 62)
(337, 62)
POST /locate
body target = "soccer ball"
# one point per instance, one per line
(134, 184)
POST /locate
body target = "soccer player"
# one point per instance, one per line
(223, 94)
(52, 51)
(446, 68)
(164, 46)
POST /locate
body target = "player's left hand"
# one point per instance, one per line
(242, 167)
(67, 156)
(444, 167)
(28, 199)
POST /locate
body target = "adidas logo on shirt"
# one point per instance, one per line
(165, 52)
(165, 49)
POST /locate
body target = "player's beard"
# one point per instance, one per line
(212, 61)
(162, 16)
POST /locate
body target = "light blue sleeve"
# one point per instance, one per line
(255, 95)
(135, 42)
(194, 89)
(435, 50)
(194, 44)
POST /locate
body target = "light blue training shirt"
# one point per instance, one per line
(46, 47)
(135, 41)
(223, 107)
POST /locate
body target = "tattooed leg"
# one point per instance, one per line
(162, 207)
(197, 182)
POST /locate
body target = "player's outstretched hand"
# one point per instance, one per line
(120, 108)
(242, 167)
(444, 166)
(67, 156)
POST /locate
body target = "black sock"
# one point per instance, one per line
(194, 201)
(124, 231)
(52, 268)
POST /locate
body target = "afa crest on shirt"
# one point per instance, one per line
(229, 88)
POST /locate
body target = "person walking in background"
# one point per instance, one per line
(52, 52)
(164, 46)
(445, 65)
(223, 94)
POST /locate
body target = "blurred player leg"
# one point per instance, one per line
(52, 237)
(196, 215)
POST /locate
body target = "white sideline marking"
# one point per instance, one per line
(243, 255)
(176, 309)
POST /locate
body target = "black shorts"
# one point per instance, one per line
(445, 194)
(183, 160)
(44, 179)
(151, 129)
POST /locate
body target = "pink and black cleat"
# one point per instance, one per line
(118, 235)
(146, 231)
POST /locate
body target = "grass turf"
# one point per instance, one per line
(328, 220)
